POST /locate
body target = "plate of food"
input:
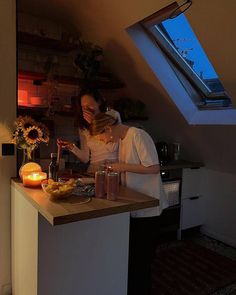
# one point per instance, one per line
(85, 190)
(57, 190)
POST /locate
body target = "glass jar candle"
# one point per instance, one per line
(34, 179)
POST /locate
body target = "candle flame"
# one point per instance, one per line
(35, 176)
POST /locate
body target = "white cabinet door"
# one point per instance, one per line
(191, 182)
(192, 200)
(192, 212)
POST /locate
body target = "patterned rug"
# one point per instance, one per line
(186, 268)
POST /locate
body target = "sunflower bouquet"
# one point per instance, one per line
(28, 134)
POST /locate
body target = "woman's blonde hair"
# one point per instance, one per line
(100, 122)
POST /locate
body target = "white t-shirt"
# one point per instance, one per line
(138, 148)
(99, 151)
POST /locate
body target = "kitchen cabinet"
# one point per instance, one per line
(192, 213)
(192, 199)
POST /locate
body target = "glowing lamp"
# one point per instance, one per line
(34, 179)
(29, 168)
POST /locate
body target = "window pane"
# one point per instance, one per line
(180, 34)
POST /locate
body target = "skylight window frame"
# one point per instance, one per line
(179, 60)
(208, 98)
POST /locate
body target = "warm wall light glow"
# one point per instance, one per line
(36, 100)
(34, 179)
(22, 97)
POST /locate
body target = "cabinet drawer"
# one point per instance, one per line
(192, 212)
(191, 182)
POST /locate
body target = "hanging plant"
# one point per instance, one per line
(89, 58)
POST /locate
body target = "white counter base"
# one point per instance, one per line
(87, 257)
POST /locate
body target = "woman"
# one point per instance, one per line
(91, 103)
(140, 170)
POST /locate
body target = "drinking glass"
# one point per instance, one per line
(112, 185)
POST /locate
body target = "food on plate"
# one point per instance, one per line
(59, 189)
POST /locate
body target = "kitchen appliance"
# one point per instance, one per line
(162, 150)
(170, 217)
(176, 151)
(172, 189)
(171, 180)
(168, 152)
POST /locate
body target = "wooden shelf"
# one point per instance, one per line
(34, 107)
(45, 42)
(37, 111)
(103, 81)
(27, 75)
(31, 110)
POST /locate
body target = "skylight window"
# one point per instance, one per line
(177, 40)
(179, 32)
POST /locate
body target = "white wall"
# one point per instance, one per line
(7, 115)
(220, 204)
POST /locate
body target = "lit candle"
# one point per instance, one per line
(34, 179)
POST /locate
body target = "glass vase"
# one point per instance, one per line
(27, 156)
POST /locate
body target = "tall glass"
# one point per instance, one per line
(100, 189)
(112, 185)
(176, 151)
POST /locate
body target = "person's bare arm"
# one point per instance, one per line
(136, 168)
(81, 153)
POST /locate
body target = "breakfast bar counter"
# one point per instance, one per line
(85, 253)
(71, 210)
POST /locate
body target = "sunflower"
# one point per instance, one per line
(24, 122)
(33, 135)
(19, 132)
(45, 131)
(28, 133)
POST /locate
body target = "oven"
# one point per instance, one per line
(171, 180)
(170, 217)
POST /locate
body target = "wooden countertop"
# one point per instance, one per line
(181, 164)
(70, 210)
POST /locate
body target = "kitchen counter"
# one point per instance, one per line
(180, 164)
(86, 253)
(70, 210)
